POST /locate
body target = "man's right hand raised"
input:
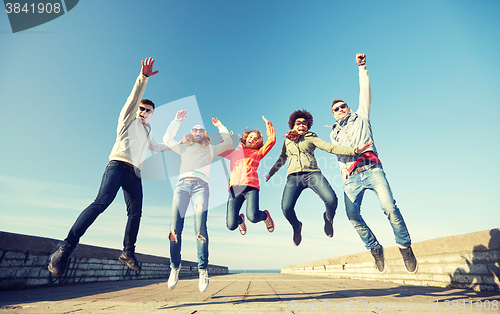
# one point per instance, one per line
(147, 67)
(360, 59)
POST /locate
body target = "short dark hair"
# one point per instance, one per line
(297, 114)
(337, 101)
(148, 102)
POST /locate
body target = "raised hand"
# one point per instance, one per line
(359, 150)
(181, 115)
(270, 130)
(360, 59)
(147, 67)
(216, 122)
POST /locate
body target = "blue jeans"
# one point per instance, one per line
(296, 183)
(237, 195)
(117, 174)
(373, 179)
(197, 192)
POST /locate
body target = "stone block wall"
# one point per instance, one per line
(467, 261)
(24, 259)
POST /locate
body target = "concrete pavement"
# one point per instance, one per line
(247, 293)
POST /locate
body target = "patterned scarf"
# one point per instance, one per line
(292, 135)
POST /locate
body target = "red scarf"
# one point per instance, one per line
(365, 156)
(292, 135)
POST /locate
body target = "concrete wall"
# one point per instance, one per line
(24, 259)
(468, 261)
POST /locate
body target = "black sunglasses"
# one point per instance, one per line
(141, 108)
(343, 106)
(299, 122)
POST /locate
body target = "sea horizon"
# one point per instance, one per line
(239, 271)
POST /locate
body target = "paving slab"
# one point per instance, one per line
(247, 293)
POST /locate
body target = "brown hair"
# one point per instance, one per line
(243, 138)
(337, 101)
(300, 114)
(148, 102)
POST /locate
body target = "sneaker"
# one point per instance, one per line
(297, 236)
(328, 226)
(129, 260)
(242, 226)
(173, 279)
(203, 284)
(410, 261)
(269, 222)
(59, 261)
(378, 255)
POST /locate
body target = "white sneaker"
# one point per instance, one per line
(173, 279)
(203, 284)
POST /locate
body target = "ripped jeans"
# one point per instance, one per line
(197, 192)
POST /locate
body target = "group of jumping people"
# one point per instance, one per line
(351, 140)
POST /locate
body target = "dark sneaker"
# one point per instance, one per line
(129, 260)
(297, 236)
(242, 226)
(269, 222)
(59, 261)
(378, 255)
(410, 261)
(328, 226)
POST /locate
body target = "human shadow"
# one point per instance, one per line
(483, 273)
(438, 294)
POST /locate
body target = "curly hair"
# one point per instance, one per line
(243, 139)
(300, 114)
(189, 139)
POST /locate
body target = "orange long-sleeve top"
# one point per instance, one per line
(244, 161)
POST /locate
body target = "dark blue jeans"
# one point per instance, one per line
(237, 195)
(118, 174)
(296, 183)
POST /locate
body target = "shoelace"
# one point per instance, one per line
(268, 223)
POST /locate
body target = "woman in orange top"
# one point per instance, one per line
(244, 179)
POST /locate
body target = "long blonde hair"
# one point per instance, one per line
(189, 139)
(243, 139)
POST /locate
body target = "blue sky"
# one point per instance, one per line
(434, 71)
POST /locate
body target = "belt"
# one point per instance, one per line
(191, 179)
(362, 168)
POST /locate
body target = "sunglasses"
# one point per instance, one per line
(299, 122)
(198, 130)
(343, 106)
(141, 108)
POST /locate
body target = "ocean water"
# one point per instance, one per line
(239, 271)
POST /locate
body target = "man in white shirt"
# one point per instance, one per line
(133, 140)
